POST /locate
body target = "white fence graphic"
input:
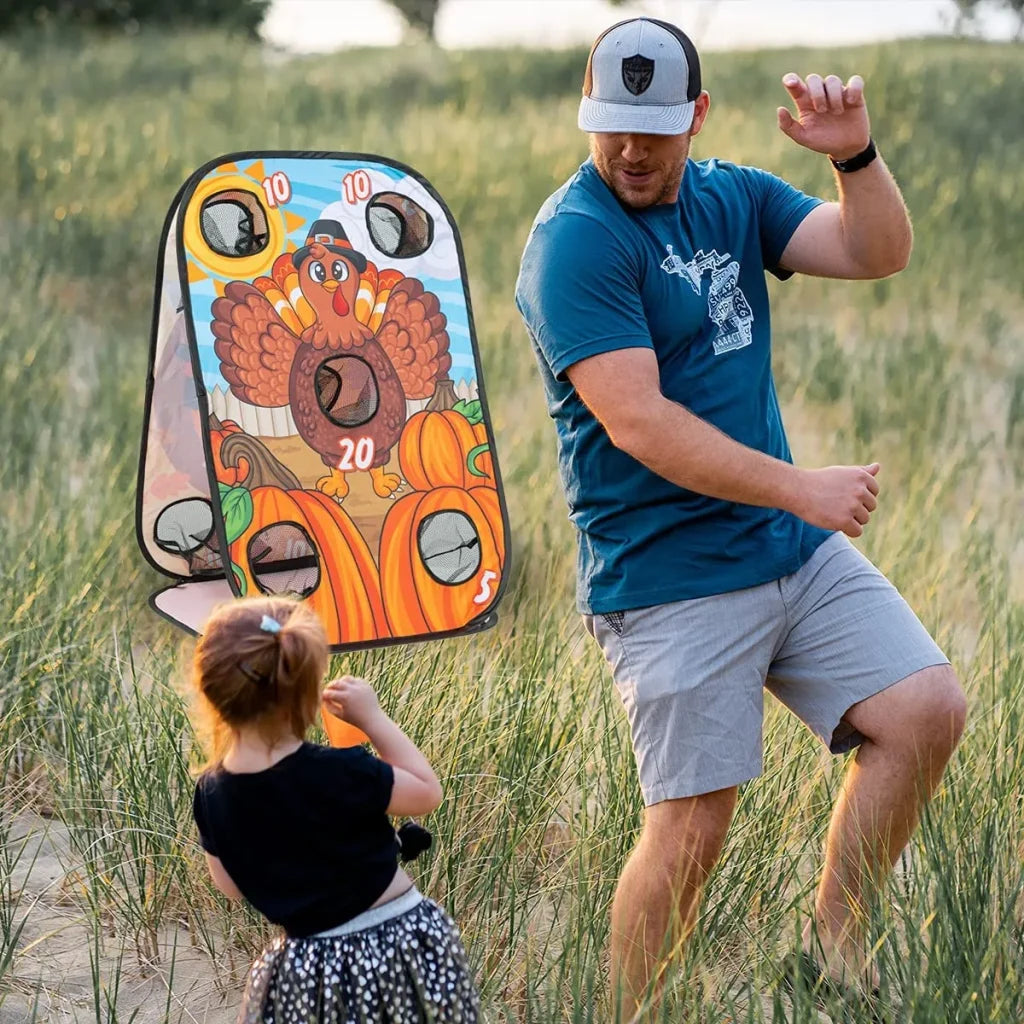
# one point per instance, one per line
(253, 419)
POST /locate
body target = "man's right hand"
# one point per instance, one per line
(837, 497)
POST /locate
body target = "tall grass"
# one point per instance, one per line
(922, 373)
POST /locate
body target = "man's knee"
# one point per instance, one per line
(688, 834)
(925, 712)
(937, 721)
(950, 706)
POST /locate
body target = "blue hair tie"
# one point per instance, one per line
(270, 625)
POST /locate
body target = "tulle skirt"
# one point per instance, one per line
(400, 963)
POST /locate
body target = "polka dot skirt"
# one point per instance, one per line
(411, 969)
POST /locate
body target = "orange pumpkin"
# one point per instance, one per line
(229, 475)
(441, 556)
(433, 448)
(346, 591)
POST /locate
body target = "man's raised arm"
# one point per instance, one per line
(867, 234)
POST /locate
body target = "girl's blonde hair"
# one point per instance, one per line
(245, 675)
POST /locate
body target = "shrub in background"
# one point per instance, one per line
(247, 15)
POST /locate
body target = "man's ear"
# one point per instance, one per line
(701, 106)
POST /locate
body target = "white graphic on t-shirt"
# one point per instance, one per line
(727, 305)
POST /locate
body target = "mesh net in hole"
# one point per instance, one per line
(185, 528)
(233, 224)
(283, 560)
(449, 546)
(347, 390)
(398, 225)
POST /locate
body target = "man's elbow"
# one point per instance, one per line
(898, 256)
(906, 252)
(898, 261)
(632, 433)
(883, 265)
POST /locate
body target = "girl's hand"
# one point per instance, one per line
(416, 788)
(352, 700)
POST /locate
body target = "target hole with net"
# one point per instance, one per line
(449, 546)
(185, 528)
(284, 560)
(346, 390)
(233, 223)
(399, 227)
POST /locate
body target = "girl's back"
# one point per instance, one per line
(307, 840)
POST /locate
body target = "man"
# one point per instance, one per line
(709, 565)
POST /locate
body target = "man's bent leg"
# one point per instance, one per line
(911, 729)
(658, 896)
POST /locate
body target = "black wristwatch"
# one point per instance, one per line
(855, 163)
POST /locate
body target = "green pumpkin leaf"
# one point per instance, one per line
(471, 457)
(471, 410)
(236, 571)
(236, 507)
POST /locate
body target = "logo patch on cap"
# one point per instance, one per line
(637, 73)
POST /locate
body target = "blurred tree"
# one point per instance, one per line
(419, 14)
(967, 11)
(1017, 6)
(246, 15)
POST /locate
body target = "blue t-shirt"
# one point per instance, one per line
(687, 280)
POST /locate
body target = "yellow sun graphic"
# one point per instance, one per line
(244, 187)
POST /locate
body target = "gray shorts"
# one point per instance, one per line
(691, 673)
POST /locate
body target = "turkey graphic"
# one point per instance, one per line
(345, 367)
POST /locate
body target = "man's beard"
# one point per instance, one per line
(666, 192)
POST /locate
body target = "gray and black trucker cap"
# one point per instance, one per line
(642, 76)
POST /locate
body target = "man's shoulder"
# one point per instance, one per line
(713, 173)
(575, 202)
(577, 217)
(725, 178)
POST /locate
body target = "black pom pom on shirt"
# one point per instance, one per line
(413, 839)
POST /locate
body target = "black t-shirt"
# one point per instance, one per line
(307, 841)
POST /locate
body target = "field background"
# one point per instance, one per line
(106, 913)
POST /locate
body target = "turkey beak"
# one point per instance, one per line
(331, 285)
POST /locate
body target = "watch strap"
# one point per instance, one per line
(855, 163)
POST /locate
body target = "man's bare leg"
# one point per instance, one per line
(658, 895)
(912, 729)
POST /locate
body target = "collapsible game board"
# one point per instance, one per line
(315, 418)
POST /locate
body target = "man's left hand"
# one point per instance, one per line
(830, 118)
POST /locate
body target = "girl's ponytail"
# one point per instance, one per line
(259, 662)
(301, 656)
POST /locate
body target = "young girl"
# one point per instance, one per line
(302, 832)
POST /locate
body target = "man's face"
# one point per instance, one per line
(645, 170)
(642, 170)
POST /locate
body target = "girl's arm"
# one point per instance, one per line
(416, 790)
(221, 878)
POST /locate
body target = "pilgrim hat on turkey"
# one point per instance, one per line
(331, 235)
